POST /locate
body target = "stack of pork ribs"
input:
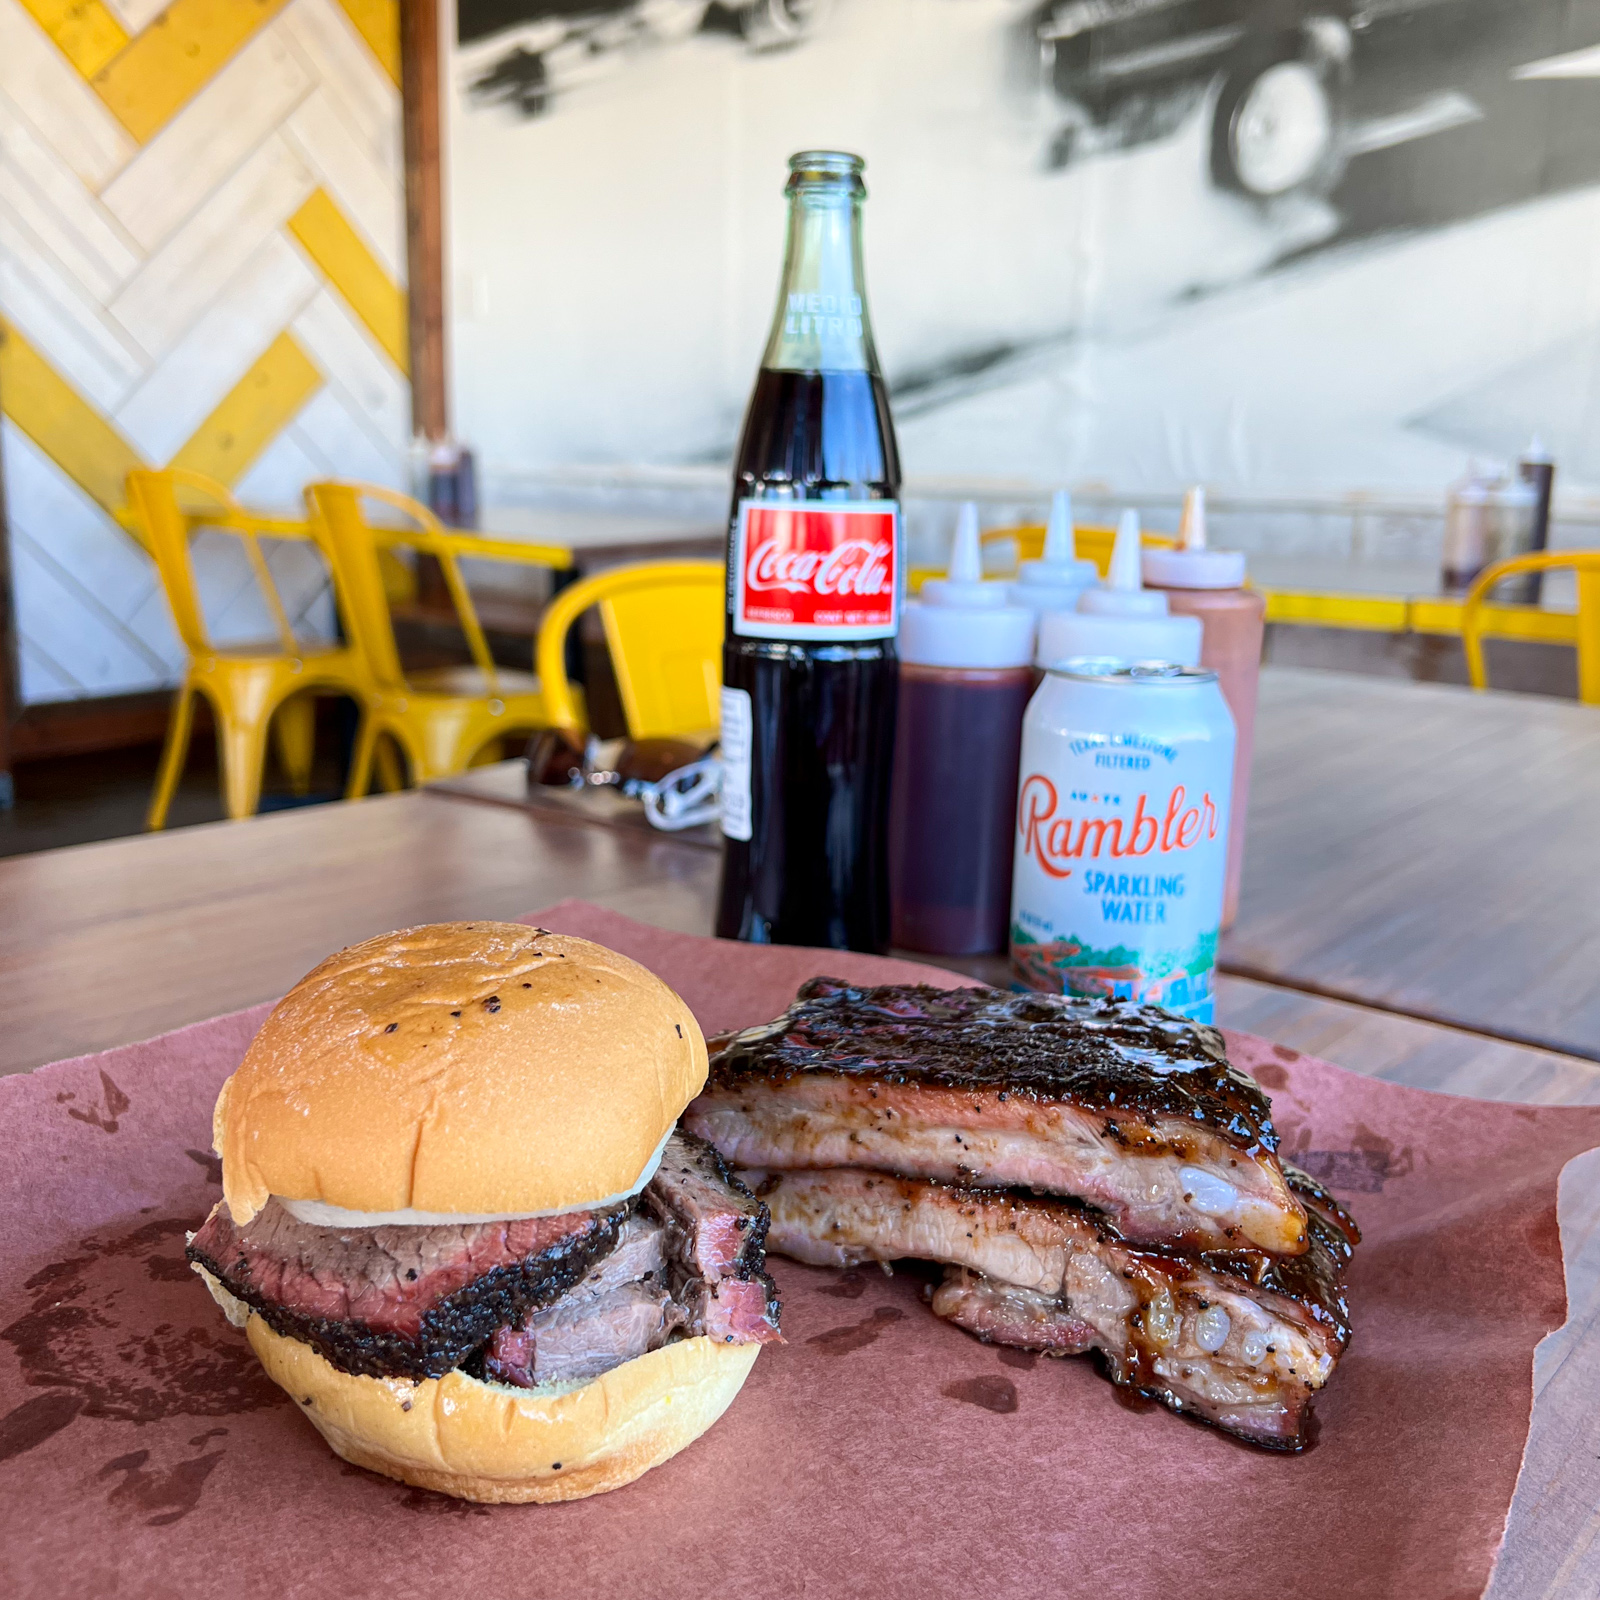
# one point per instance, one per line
(1090, 1175)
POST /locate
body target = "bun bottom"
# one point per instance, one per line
(499, 1445)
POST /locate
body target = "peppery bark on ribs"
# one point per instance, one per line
(1241, 1342)
(414, 1302)
(1126, 1107)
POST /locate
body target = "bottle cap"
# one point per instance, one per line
(1066, 634)
(961, 621)
(1193, 565)
(1055, 582)
(1122, 594)
(1119, 618)
(1536, 455)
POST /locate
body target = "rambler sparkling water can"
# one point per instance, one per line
(1122, 834)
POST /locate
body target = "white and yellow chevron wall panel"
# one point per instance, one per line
(202, 264)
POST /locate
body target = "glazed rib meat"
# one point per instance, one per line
(1243, 1342)
(1126, 1107)
(524, 1301)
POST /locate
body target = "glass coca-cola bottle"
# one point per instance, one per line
(814, 574)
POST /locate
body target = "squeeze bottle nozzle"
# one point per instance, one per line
(961, 621)
(1120, 618)
(1059, 544)
(1123, 593)
(1194, 565)
(963, 583)
(1055, 582)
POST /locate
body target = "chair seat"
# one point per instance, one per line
(457, 682)
(268, 650)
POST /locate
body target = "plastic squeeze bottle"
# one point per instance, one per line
(1055, 582)
(1209, 584)
(965, 680)
(1120, 618)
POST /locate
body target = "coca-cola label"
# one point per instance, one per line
(816, 569)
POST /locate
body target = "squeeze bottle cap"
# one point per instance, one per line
(1064, 634)
(1122, 594)
(961, 621)
(1193, 565)
(963, 584)
(1060, 568)
(1536, 455)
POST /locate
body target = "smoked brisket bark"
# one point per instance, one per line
(689, 1263)
(716, 1243)
(1126, 1107)
(1242, 1341)
(404, 1302)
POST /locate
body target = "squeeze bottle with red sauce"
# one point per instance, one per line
(966, 677)
(1209, 584)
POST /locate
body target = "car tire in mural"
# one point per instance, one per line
(523, 53)
(1279, 123)
(1128, 72)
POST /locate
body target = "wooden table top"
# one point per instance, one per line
(1429, 851)
(111, 942)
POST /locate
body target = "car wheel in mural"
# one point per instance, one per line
(1279, 124)
(523, 53)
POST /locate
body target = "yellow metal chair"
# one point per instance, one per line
(249, 687)
(441, 718)
(663, 626)
(1586, 564)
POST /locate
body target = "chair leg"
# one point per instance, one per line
(391, 773)
(174, 752)
(294, 730)
(360, 779)
(242, 750)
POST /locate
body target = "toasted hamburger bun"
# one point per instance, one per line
(456, 1070)
(489, 1442)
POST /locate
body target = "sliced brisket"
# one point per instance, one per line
(1241, 1341)
(544, 1300)
(621, 1309)
(1131, 1109)
(397, 1301)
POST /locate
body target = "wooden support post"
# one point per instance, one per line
(419, 93)
(419, 88)
(8, 655)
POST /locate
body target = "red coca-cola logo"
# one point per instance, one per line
(816, 571)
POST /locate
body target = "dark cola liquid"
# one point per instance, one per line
(815, 869)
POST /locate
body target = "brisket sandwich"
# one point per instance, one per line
(1092, 1175)
(461, 1228)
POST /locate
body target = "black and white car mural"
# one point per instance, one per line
(1296, 244)
(526, 52)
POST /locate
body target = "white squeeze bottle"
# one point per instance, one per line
(1055, 582)
(1120, 618)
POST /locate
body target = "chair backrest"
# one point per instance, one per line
(1586, 564)
(663, 623)
(353, 545)
(162, 516)
(1092, 544)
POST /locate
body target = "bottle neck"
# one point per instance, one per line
(821, 324)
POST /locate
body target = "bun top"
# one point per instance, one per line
(476, 1068)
